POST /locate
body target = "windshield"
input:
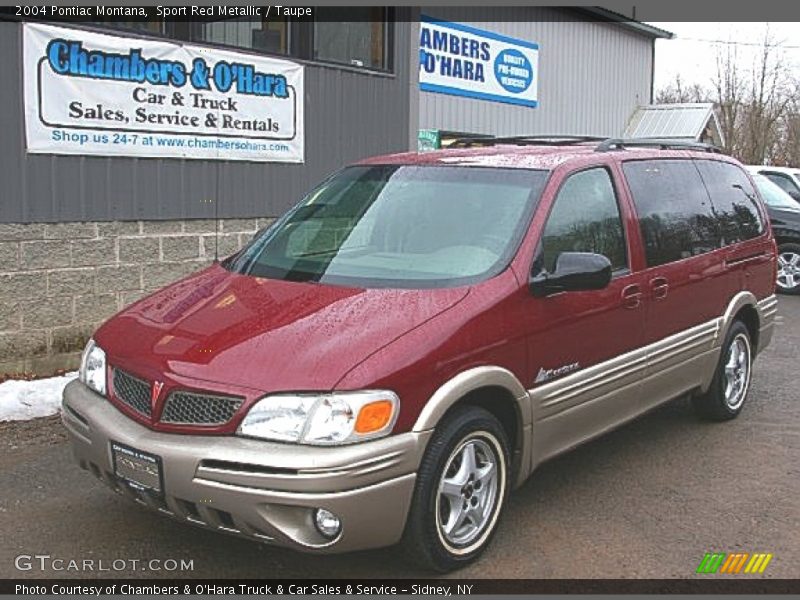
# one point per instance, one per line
(773, 195)
(399, 226)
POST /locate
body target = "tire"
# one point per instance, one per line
(425, 540)
(788, 280)
(728, 391)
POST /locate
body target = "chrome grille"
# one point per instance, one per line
(188, 408)
(132, 391)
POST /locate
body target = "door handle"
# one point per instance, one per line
(660, 287)
(632, 296)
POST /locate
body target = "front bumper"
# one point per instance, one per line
(257, 489)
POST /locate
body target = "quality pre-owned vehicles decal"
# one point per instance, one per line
(462, 60)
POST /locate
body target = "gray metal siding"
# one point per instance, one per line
(349, 115)
(592, 75)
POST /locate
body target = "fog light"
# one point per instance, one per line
(327, 523)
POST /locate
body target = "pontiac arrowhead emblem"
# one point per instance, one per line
(155, 392)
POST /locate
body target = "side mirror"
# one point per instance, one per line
(574, 272)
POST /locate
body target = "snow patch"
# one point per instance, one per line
(22, 400)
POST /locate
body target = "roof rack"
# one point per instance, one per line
(524, 140)
(663, 144)
(605, 144)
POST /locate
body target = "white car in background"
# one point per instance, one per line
(787, 178)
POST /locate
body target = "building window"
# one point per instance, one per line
(157, 27)
(267, 36)
(360, 41)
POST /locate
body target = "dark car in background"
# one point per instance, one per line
(784, 215)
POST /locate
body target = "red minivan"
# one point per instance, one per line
(403, 347)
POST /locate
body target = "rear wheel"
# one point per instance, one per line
(728, 392)
(461, 487)
(789, 269)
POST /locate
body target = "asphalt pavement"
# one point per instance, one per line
(645, 501)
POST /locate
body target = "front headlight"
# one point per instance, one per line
(93, 367)
(322, 419)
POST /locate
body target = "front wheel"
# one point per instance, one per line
(788, 269)
(461, 487)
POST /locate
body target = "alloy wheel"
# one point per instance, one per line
(468, 492)
(737, 371)
(788, 270)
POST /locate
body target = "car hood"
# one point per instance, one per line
(263, 334)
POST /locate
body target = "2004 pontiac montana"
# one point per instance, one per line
(400, 350)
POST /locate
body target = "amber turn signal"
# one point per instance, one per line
(374, 416)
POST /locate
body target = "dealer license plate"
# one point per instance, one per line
(140, 470)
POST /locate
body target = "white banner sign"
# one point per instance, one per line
(92, 93)
(465, 61)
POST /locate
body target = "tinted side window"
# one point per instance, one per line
(674, 209)
(734, 200)
(585, 218)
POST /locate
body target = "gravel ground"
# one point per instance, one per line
(645, 501)
(20, 438)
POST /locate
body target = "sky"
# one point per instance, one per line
(692, 53)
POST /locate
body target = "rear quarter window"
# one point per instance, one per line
(733, 199)
(675, 213)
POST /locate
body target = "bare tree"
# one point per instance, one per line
(757, 108)
(787, 151)
(765, 104)
(728, 88)
(678, 92)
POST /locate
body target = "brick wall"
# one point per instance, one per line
(59, 281)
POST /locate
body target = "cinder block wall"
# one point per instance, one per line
(59, 282)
